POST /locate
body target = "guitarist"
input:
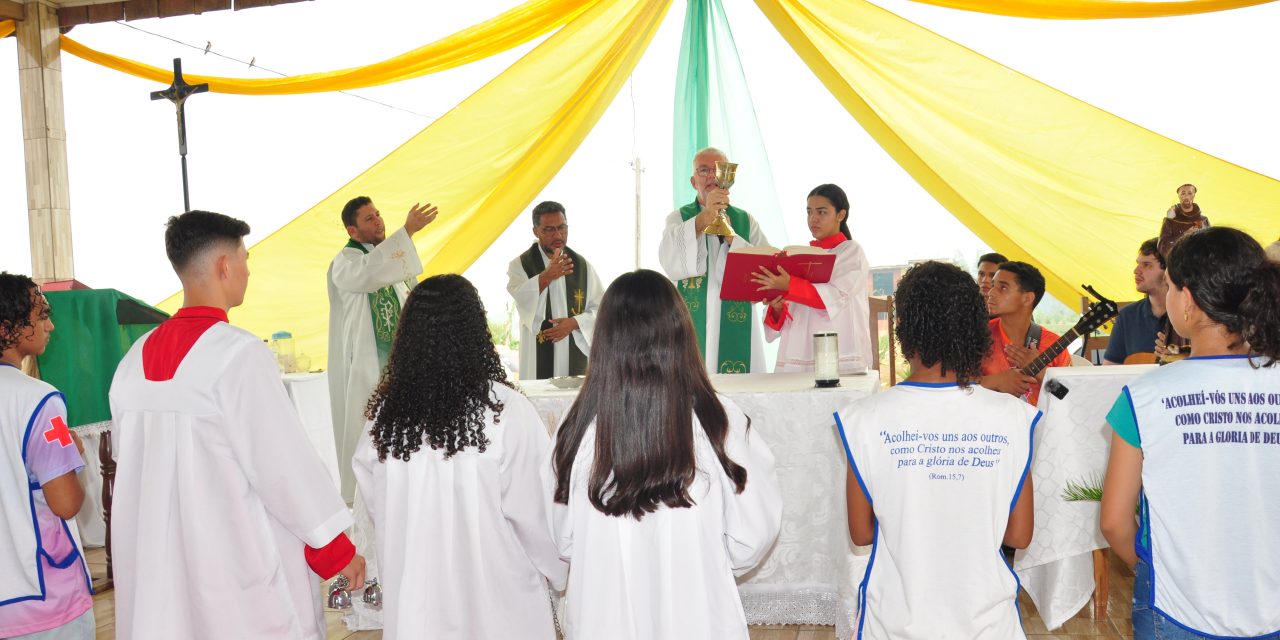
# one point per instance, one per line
(1015, 339)
(1133, 339)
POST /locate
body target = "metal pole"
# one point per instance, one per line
(639, 170)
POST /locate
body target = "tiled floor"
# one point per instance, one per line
(1082, 626)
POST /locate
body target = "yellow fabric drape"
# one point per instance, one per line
(7, 27)
(482, 163)
(1035, 173)
(1092, 9)
(505, 31)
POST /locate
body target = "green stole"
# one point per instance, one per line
(575, 288)
(384, 305)
(735, 315)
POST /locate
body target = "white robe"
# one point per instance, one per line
(217, 491)
(353, 352)
(464, 543)
(671, 574)
(684, 253)
(530, 304)
(847, 313)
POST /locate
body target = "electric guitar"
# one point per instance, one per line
(1099, 313)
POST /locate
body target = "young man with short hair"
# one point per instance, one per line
(1016, 339)
(225, 520)
(988, 264)
(1137, 324)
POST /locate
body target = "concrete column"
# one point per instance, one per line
(44, 137)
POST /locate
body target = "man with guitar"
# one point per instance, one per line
(1133, 339)
(1015, 364)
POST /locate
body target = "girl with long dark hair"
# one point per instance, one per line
(1196, 449)
(660, 493)
(840, 304)
(448, 469)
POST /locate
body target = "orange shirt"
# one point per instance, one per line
(996, 361)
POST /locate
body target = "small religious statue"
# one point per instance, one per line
(1181, 219)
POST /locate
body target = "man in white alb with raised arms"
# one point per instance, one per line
(728, 332)
(225, 519)
(368, 283)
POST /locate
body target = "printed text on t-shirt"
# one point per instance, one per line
(1215, 417)
(944, 451)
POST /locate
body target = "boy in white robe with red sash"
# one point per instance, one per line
(225, 519)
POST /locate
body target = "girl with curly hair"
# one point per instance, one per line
(1196, 448)
(45, 589)
(938, 474)
(659, 492)
(448, 469)
(802, 308)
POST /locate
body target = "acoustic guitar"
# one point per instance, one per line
(1099, 313)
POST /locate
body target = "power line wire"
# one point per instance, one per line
(208, 49)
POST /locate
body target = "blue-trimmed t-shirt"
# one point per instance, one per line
(1123, 421)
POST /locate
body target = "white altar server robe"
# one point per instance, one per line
(530, 303)
(217, 491)
(847, 313)
(464, 544)
(353, 352)
(671, 574)
(684, 253)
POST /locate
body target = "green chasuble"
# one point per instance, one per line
(384, 306)
(735, 316)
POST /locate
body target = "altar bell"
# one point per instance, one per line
(225, 519)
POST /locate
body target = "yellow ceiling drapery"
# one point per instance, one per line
(481, 163)
(500, 33)
(7, 27)
(1035, 173)
(1092, 9)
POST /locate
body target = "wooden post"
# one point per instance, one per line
(1101, 583)
(44, 137)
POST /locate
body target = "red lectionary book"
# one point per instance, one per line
(811, 263)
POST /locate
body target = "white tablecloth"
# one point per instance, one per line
(812, 573)
(310, 395)
(1072, 442)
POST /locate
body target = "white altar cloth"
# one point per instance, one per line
(1072, 442)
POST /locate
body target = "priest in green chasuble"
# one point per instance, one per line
(557, 293)
(368, 282)
(729, 333)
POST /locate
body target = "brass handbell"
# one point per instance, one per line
(726, 173)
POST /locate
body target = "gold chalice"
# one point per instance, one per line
(726, 172)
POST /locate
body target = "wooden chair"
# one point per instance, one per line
(878, 306)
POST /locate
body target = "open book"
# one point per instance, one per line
(811, 263)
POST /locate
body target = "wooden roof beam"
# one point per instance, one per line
(10, 10)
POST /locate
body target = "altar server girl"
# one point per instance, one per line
(938, 475)
(660, 491)
(839, 305)
(1196, 449)
(448, 467)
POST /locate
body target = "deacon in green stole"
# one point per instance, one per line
(556, 292)
(368, 281)
(728, 332)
